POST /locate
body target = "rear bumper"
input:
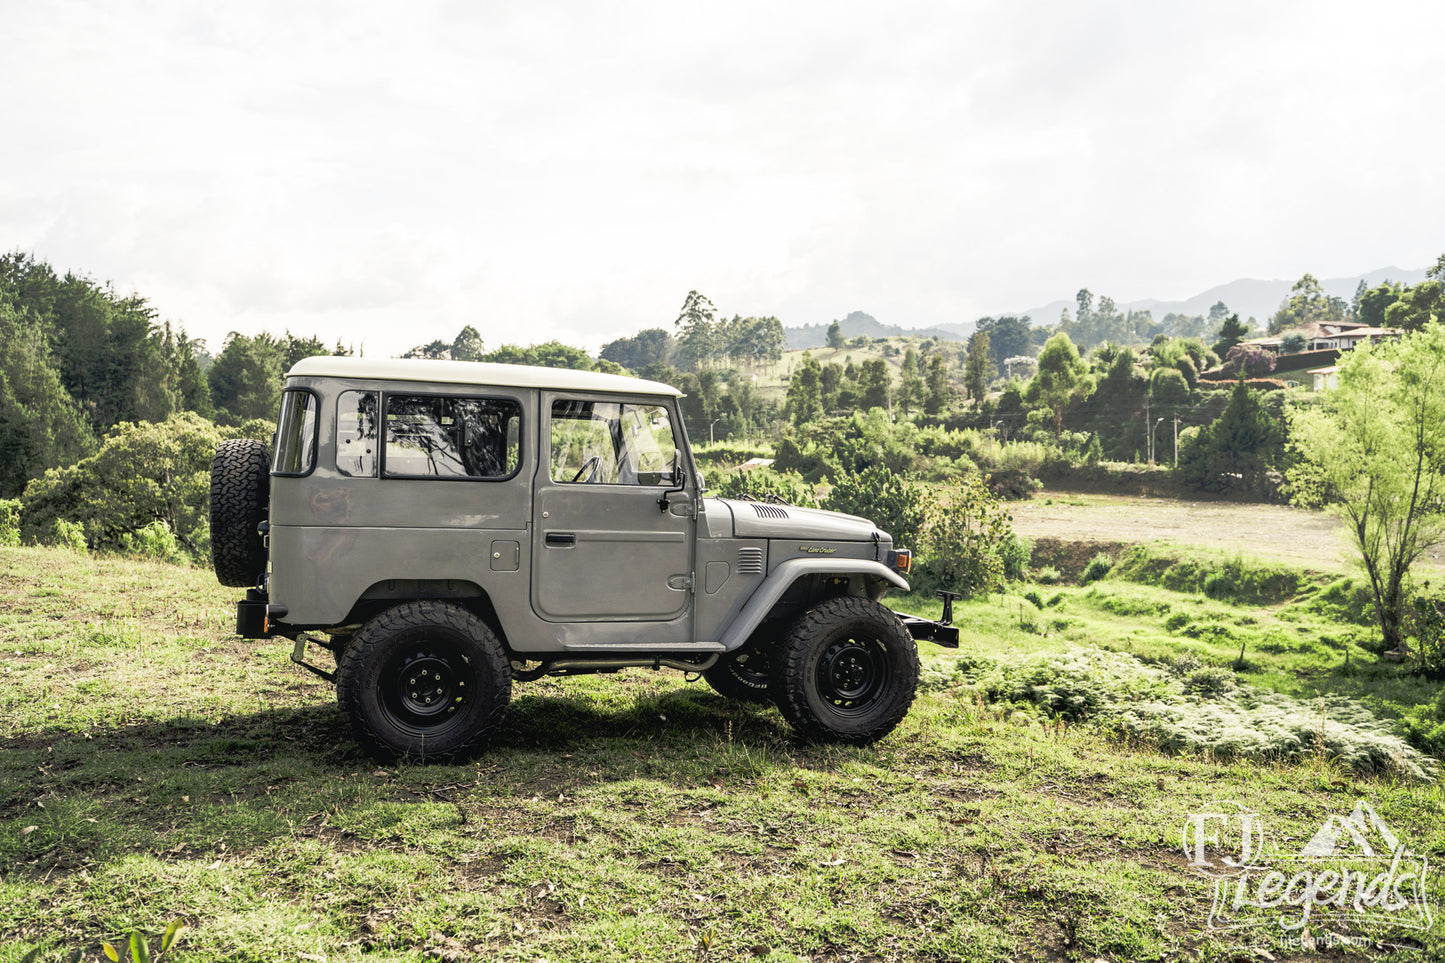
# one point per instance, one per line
(257, 618)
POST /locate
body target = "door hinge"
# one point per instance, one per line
(681, 583)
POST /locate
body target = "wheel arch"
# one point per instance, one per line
(865, 578)
(388, 593)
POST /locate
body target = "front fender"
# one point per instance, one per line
(788, 572)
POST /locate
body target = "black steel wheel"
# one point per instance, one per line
(746, 674)
(240, 496)
(847, 672)
(425, 680)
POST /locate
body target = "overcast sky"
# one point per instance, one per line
(384, 173)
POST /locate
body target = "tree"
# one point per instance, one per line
(437, 350)
(142, 474)
(1008, 336)
(41, 426)
(939, 391)
(910, 388)
(1242, 362)
(651, 346)
(549, 354)
(886, 498)
(1307, 304)
(245, 378)
(805, 396)
(1235, 452)
(1061, 380)
(1373, 453)
(1231, 333)
(467, 346)
(1372, 303)
(835, 336)
(874, 383)
(697, 326)
(1415, 306)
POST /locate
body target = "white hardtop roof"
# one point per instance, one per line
(475, 373)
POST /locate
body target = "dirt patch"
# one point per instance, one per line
(1069, 558)
(1309, 538)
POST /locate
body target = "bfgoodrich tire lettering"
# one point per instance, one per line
(847, 672)
(425, 680)
(240, 494)
(746, 674)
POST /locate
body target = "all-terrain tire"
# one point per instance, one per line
(240, 496)
(746, 674)
(425, 680)
(847, 672)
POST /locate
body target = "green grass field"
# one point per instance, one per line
(154, 768)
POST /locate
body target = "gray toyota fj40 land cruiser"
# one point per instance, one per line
(445, 528)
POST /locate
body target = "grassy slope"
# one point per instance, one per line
(170, 771)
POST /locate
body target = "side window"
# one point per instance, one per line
(356, 448)
(610, 443)
(296, 434)
(432, 436)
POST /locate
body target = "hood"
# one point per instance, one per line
(766, 520)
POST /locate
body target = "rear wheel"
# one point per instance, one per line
(745, 674)
(847, 672)
(424, 680)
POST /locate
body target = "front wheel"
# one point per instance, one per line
(847, 672)
(424, 680)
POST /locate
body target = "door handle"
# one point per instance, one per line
(561, 539)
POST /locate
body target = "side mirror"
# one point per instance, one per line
(679, 479)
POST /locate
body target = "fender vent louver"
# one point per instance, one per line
(750, 561)
(769, 511)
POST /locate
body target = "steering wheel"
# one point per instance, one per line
(590, 465)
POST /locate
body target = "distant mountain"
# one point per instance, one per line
(1247, 297)
(857, 324)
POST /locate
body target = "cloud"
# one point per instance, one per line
(387, 174)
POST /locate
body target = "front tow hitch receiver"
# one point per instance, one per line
(943, 632)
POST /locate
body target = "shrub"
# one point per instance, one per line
(1015, 553)
(1188, 707)
(766, 485)
(888, 500)
(63, 534)
(1425, 622)
(1236, 580)
(963, 539)
(1099, 566)
(9, 521)
(155, 541)
(1048, 575)
(143, 473)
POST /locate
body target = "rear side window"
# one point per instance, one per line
(296, 434)
(439, 436)
(356, 448)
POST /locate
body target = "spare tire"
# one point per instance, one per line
(240, 496)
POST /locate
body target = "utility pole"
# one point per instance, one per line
(1147, 423)
(1176, 441)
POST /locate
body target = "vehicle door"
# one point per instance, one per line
(612, 537)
